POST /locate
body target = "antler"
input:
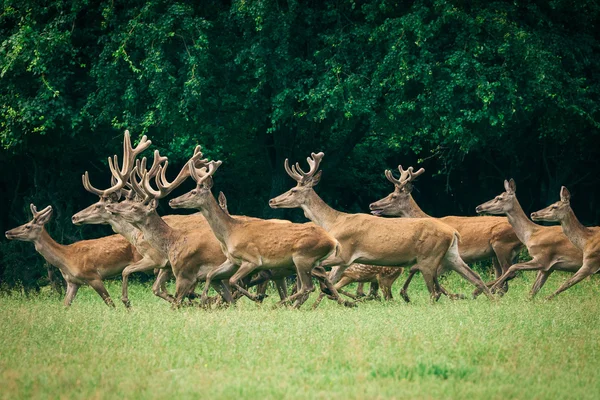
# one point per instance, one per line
(159, 172)
(204, 174)
(406, 176)
(120, 175)
(296, 173)
(35, 212)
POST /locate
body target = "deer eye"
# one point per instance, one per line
(27, 226)
(294, 190)
(194, 191)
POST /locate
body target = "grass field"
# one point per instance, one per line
(511, 348)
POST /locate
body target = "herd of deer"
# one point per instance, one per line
(232, 253)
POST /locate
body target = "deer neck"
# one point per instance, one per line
(125, 229)
(157, 232)
(414, 211)
(574, 230)
(319, 212)
(53, 252)
(220, 222)
(522, 225)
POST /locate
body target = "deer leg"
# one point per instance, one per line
(463, 270)
(386, 287)
(306, 287)
(360, 292)
(98, 286)
(145, 264)
(539, 282)
(442, 290)
(159, 288)
(583, 272)
(320, 273)
(244, 270)
(281, 286)
(374, 290)
(403, 292)
(72, 289)
(530, 265)
(224, 270)
(429, 278)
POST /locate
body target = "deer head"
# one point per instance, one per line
(31, 231)
(502, 203)
(557, 211)
(138, 208)
(97, 213)
(305, 181)
(397, 202)
(198, 198)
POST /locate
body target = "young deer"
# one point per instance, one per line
(547, 245)
(84, 262)
(585, 239)
(251, 245)
(379, 277)
(427, 245)
(481, 238)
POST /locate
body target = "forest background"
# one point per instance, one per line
(474, 92)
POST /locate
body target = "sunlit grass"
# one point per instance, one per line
(511, 348)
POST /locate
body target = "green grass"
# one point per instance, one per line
(511, 348)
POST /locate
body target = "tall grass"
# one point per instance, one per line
(510, 348)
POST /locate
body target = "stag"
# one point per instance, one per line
(192, 253)
(84, 262)
(252, 245)
(585, 239)
(548, 246)
(481, 238)
(427, 245)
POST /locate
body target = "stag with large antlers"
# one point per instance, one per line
(192, 253)
(429, 246)
(252, 245)
(97, 213)
(585, 239)
(481, 238)
(84, 262)
(548, 246)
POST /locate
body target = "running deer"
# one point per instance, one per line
(254, 244)
(585, 239)
(84, 262)
(97, 213)
(481, 238)
(192, 253)
(548, 246)
(427, 245)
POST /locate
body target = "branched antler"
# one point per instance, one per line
(296, 173)
(406, 176)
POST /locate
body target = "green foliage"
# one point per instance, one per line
(475, 91)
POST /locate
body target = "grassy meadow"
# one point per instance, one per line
(510, 348)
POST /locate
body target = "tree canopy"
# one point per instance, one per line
(475, 92)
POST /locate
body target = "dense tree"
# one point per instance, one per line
(474, 91)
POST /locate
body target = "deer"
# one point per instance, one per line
(97, 213)
(83, 262)
(548, 246)
(253, 244)
(261, 281)
(481, 238)
(424, 244)
(585, 239)
(192, 253)
(379, 277)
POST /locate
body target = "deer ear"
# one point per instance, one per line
(315, 179)
(408, 188)
(510, 186)
(152, 204)
(565, 196)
